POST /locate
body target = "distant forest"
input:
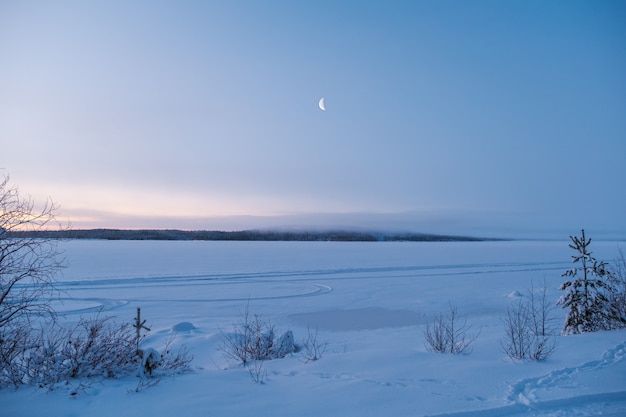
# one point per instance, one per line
(244, 235)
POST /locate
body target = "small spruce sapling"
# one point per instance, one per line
(139, 325)
(587, 292)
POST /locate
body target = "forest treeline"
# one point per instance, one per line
(243, 235)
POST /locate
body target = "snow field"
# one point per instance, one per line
(369, 301)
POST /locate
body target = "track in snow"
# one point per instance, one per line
(525, 402)
(90, 295)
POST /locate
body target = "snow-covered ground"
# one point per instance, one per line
(369, 301)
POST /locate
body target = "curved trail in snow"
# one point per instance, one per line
(525, 391)
(268, 285)
(612, 404)
(107, 304)
(524, 394)
(340, 273)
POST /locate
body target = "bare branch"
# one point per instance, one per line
(28, 265)
(449, 334)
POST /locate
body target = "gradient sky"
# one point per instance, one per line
(441, 115)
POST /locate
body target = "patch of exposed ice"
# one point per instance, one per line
(358, 319)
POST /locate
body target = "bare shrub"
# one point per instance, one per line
(312, 348)
(93, 348)
(250, 340)
(174, 360)
(529, 332)
(250, 343)
(435, 335)
(258, 374)
(28, 264)
(449, 334)
(253, 339)
(99, 346)
(518, 336)
(153, 366)
(14, 341)
(143, 384)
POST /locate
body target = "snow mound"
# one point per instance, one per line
(183, 327)
(283, 345)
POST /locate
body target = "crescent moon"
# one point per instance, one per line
(321, 104)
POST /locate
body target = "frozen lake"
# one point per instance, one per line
(303, 282)
(299, 277)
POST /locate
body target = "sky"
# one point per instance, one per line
(481, 117)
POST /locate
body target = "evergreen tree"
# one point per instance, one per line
(587, 292)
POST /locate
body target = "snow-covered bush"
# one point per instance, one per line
(529, 333)
(448, 334)
(152, 365)
(587, 292)
(149, 361)
(93, 348)
(99, 347)
(617, 298)
(14, 341)
(254, 339)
